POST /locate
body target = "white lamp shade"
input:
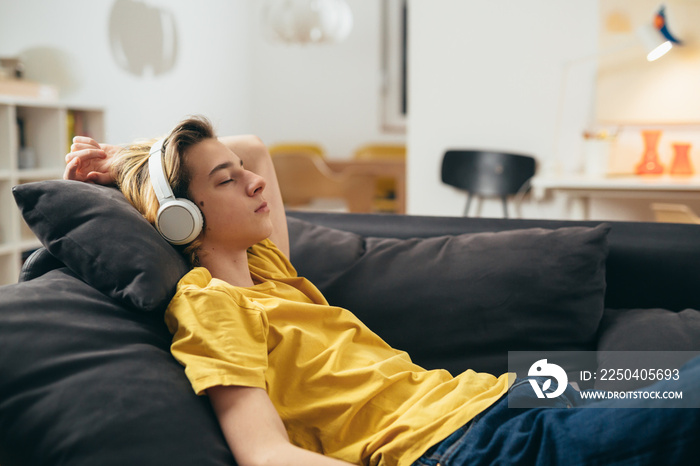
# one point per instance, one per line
(342, 21)
(304, 21)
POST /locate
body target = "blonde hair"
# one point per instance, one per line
(130, 172)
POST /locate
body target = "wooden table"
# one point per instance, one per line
(579, 189)
(395, 169)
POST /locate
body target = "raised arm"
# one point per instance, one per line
(256, 158)
(254, 431)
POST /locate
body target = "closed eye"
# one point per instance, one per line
(226, 181)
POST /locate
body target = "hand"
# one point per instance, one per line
(90, 161)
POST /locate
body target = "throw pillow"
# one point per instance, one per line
(637, 339)
(87, 382)
(104, 240)
(462, 302)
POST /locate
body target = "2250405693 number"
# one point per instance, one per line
(639, 374)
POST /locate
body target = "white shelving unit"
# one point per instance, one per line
(46, 130)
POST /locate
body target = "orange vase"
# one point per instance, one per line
(681, 164)
(650, 165)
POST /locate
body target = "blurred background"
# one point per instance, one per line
(542, 77)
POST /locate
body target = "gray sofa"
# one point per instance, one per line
(86, 376)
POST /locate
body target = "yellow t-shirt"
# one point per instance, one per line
(338, 387)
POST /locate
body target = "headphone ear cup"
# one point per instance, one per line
(179, 221)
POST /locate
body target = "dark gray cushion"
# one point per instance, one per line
(324, 253)
(649, 330)
(464, 301)
(669, 338)
(85, 381)
(98, 235)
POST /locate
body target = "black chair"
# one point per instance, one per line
(487, 174)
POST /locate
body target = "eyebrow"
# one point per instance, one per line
(222, 166)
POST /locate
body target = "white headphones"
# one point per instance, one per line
(178, 220)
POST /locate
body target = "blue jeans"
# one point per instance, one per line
(577, 431)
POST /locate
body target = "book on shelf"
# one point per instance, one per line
(76, 125)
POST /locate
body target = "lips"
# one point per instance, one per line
(263, 208)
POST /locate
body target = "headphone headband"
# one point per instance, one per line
(157, 172)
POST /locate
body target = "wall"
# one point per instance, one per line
(226, 68)
(68, 43)
(492, 75)
(326, 93)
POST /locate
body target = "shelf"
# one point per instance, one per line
(34, 139)
(7, 118)
(27, 101)
(39, 174)
(29, 244)
(43, 135)
(9, 267)
(8, 233)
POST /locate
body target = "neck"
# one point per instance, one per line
(229, 266)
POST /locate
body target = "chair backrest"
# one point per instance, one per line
(381, 152)
(487, 173)
(303, 178)
(674, 213)
(297, 148)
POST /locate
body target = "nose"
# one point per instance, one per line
(256, 185)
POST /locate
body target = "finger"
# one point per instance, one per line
(85, 154)
(86, 140)
(110, 148)
(75, 147)
(82, 145)
(99, 178)
(71, 172)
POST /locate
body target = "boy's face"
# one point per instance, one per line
(229, 196)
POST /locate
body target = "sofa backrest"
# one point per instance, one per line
(649, 265)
